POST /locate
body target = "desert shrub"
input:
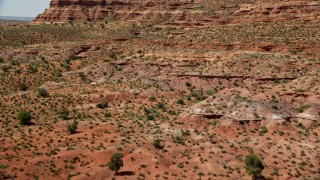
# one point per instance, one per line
(275, 172)
(32, 69)
(63, 113)
(210, 92)
(24, 117)
(15, 62)
(5, 68)
(143, 165)
(179, 140)
(185, 133)
(262, 131)
(172, 112)
(82, 76)
(302, 108)
(157, 144)
(65, 65)
(180, 165)
(160, 105)
(281, 133)
(253, 166)
(112, 56)
(197, 95)
(72, 128)
(1, 60)
(146, 111)
(152, 99)
(102, 105)
(23, 87)
(256, 115)
(150, 117)
(57, 73)
(107, 114)
(71, 57)
(180, 101)
(116, 162)
(42, 92)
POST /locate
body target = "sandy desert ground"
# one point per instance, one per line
(210, 93)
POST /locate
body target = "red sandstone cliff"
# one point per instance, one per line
(181, 10)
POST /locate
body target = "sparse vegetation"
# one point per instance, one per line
(5, 68)
(64, 113)
(302, 108)
(175, 98)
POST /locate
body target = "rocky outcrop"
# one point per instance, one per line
(278, 11)
(91, 10)
(199, 11)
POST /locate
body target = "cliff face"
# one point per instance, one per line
(91, 10)
(181, 10)
(279, 11)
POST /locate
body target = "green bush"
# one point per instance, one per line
(262, 131)
(150, 117)
(64, 113)
(157, 144)
(152, 99)
(2, 166)
(57, 73)
(1, 60)
(188, 84)
(102, 105)
(180, 165)
(253, 166)
(179, 140)
(116, 162)
(32, 69)
(5, 68)
(302, 108)
(24, 117)
(82, 76)
(160, 105)
(65, 65)
(42, 92)
(172, 112)
(107, 114)
(72, 128)
(71, 57)
(23, 87)
(180, 101)
(112, 56)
